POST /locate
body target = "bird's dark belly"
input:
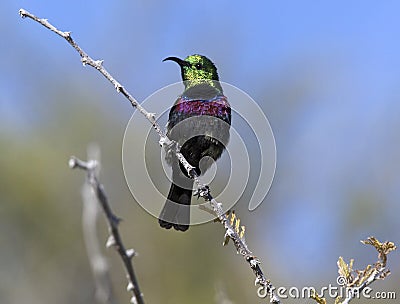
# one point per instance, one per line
(198, 147)
(202, 130)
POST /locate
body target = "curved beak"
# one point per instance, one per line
(179, 61)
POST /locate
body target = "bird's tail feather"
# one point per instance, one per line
(176, 211)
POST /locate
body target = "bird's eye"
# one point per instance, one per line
(198, 66)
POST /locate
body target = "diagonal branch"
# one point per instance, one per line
(90, 213)
(202, 190)
(98, 65)
(114, 239)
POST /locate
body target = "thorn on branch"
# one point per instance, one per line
(72, 164)
(254, 262)
(110, 242)
(162, 141)
(118, 87)
(84, 60)
(226, 239)
(130, 253)
(116, 220)
(133, 300)
(151, 116)
(99, 63)
(203, 191)
(22, 13)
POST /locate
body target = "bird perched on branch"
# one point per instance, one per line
(199, 121)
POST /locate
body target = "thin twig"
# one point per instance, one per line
(114, 239)
(90, 213)
(98, 65)
(358, 280)
(355, 282)
(202, 190)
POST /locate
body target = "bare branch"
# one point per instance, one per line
(98, 65)
(90, 211)
(202, 190)
(114, 239)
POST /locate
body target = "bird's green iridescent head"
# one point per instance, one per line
(197, 69)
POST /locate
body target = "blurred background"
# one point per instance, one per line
(327, 77)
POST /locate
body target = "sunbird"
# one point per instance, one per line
(199, 121)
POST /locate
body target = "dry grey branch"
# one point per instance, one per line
(114, 239)
(90, 213)
(98, 65)
(202, 190)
